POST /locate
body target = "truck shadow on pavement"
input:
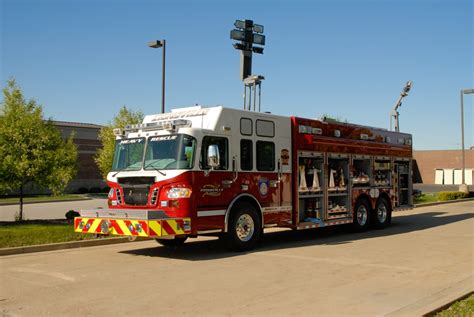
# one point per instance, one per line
(214, 249)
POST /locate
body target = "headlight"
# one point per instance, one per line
(179, 192)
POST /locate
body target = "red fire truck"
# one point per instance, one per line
(197, 171)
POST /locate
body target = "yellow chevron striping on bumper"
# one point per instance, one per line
(156, 227)
(146, 228)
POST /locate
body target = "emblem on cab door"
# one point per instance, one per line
(211, 190)
(263, 186)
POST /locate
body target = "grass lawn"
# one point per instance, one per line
(40, 198)
(426, 198)
(34, 233)
(464, 307)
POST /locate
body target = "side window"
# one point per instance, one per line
(265, 128)
(265, 156)
(246, 126)
(223, 145)
(246, 155)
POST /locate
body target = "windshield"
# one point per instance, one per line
(128, 154)
(170, 152)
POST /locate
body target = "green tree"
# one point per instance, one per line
(105, 155)
(31, 148)
(328, 118)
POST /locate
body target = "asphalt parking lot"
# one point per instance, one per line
(423, 260)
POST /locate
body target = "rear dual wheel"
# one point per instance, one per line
(383, 214)
(361, 219)
(381, 217)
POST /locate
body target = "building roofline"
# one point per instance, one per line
(76, 124)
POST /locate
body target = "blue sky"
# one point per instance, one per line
(82, 60)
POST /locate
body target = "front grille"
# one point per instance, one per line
(136, 189)
(136, 195)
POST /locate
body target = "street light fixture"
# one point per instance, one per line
(395, 114)
(248, 34)
(158, 44)
(463, 186)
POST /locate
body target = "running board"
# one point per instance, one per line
(311, 225)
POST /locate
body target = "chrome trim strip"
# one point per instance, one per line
(208, 213)
(210, 231)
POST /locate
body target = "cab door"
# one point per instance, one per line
(215, 184)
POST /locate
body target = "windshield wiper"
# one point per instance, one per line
(150, 165)
(120, 170)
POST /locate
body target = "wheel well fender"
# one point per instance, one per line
(387, 198)
(241, 198)
(367, 199)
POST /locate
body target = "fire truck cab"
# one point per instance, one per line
(232, 172)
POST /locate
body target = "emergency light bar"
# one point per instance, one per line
(170, 125)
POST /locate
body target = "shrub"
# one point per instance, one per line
(71, 214)
(94, 190)
(82, 190)
(443, 196)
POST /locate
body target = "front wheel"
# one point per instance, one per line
(244, 228)
(172, 243)
(383, 214)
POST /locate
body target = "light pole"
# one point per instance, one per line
(463, 186)
(395, 114)
(158, 44)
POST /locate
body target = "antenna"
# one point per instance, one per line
(395, 114)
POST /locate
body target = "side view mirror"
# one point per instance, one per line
(213, 159)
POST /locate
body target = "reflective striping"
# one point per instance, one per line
(208, 213)
(176, 226)
(94, 226)
(123, 227)
(166, 229)
(114, 226)
(128, 227)
(154, 228)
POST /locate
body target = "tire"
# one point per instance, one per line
(362, 213)
(382, 216)
(172, 243)
(244, 228)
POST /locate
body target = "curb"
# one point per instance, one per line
(46, 201)
(445, 306)
(434, 302)
(443, 202)
(66, 245)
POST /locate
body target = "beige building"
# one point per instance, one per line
(444, 166)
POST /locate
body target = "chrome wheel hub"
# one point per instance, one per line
(245, 228)
(362, 215)
(382, 213)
